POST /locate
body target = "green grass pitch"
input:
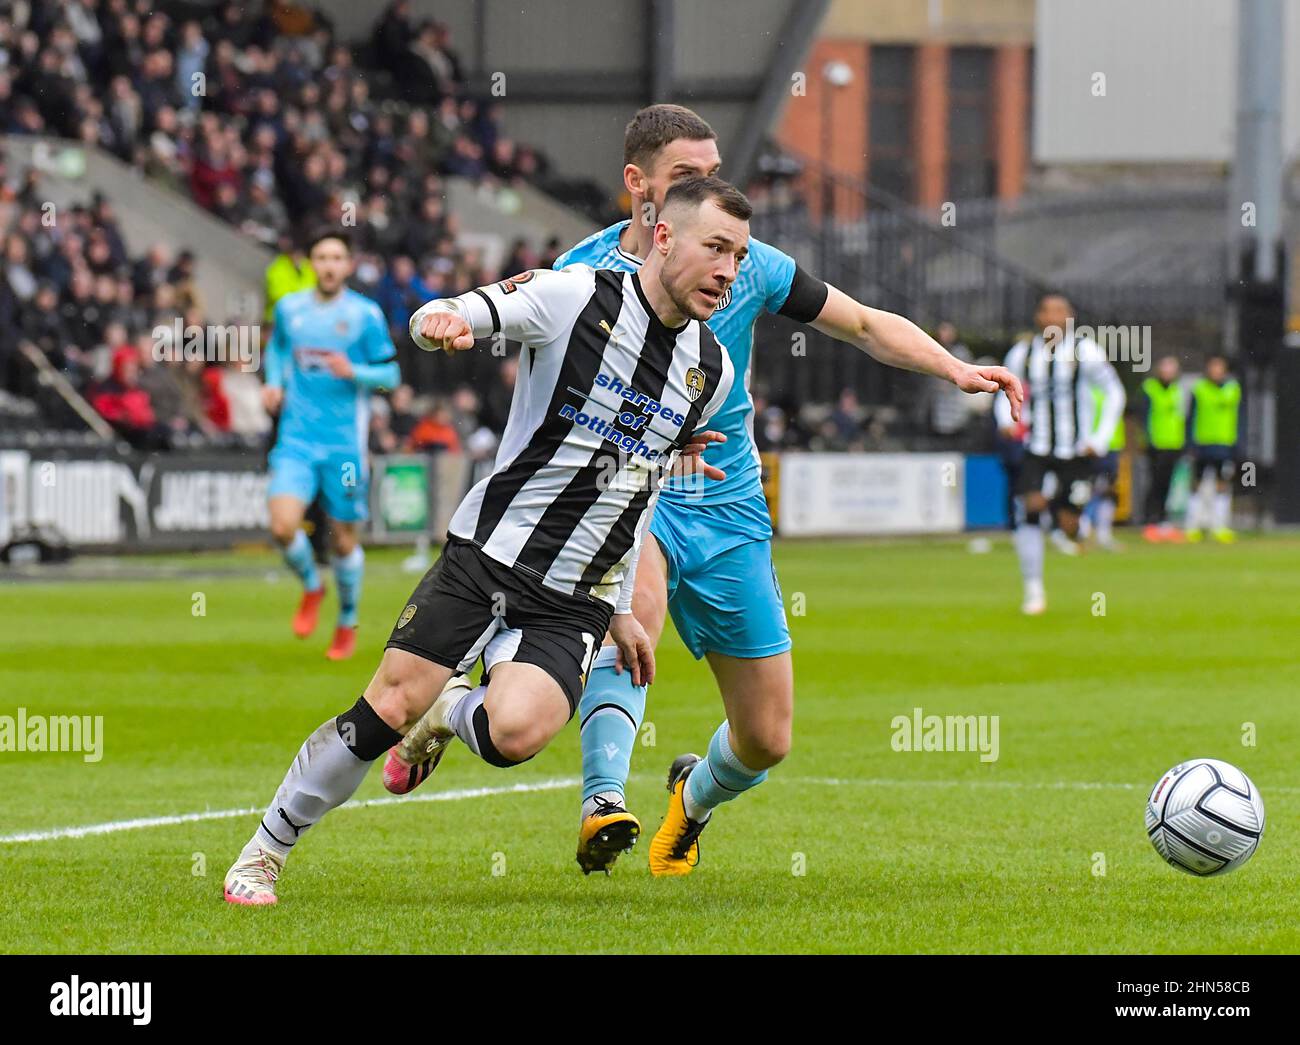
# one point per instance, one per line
(851, 846)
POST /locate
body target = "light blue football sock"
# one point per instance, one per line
(720, 777)
(299, 557)
(610, 713)
(348, 572)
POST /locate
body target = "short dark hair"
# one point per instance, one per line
(695, 191)
(320, 235)
(656, 126)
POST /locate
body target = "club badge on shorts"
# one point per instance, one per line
(406, 616)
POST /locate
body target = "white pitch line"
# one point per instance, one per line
(113, 826)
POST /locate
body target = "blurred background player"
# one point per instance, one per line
(1061, 373)
(1098, 519)
(1216, 405)
(330, 348)
(1164, 402)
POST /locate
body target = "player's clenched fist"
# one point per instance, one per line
(441, 329)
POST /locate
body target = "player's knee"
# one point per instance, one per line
(343, 538)
(763, 747)
(397, 699)
(283, 530)
(517, 738)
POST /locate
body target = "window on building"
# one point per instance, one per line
(970, 139)
(890, 163)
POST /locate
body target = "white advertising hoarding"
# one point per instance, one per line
(851, 495)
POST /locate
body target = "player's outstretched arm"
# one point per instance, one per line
(896, 341)
(534, 307)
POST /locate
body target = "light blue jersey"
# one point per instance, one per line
(324, 420)
(321, 410)
(761, 285)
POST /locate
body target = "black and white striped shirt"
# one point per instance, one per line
(605, 398)
(1059, 379)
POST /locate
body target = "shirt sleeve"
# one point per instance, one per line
(777, 270)
(378, 345)
(532, 307)
(1098, 374)
(278, 358)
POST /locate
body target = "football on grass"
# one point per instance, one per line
(1205, 817)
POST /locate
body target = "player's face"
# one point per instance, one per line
(679, 159)
(1054, 311)
(1216, 370)
(705, 250)
(332, 263)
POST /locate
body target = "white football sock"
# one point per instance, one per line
(590, 804)
(1029, 550)
(1222, 510)
(1106, 521)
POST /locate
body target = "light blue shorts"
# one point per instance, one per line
(722, 588)
(340, 477)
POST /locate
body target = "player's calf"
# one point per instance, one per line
(325, 773)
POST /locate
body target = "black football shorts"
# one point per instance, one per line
(469, 606)
(1072, 485)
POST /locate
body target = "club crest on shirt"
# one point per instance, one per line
(406, 616)
(694, 383)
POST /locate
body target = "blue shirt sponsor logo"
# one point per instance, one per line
(761, 285)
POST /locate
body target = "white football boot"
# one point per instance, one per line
(251, 878)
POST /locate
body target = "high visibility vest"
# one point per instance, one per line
(1166, 415)
(284, 277)
(1217, 407)
(1099, 402)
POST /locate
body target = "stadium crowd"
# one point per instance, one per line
(265, 120)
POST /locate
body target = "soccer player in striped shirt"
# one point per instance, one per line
(1063, 375)
(710, 562)
(618, 377)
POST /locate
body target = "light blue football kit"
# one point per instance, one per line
(716, 537)
(324, 420)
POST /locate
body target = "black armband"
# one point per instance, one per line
(806, 299)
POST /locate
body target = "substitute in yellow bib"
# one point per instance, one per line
(1216, 409)
(1164, 401)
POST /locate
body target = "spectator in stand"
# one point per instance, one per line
(125, 405)
(845, 421)
(402, 419)
(289, 271)
(392, 34)
(949, 412)
(157, 378)
(243, 391)
(496, 404)
(435, 432)
(401, 292)
(382, 440)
